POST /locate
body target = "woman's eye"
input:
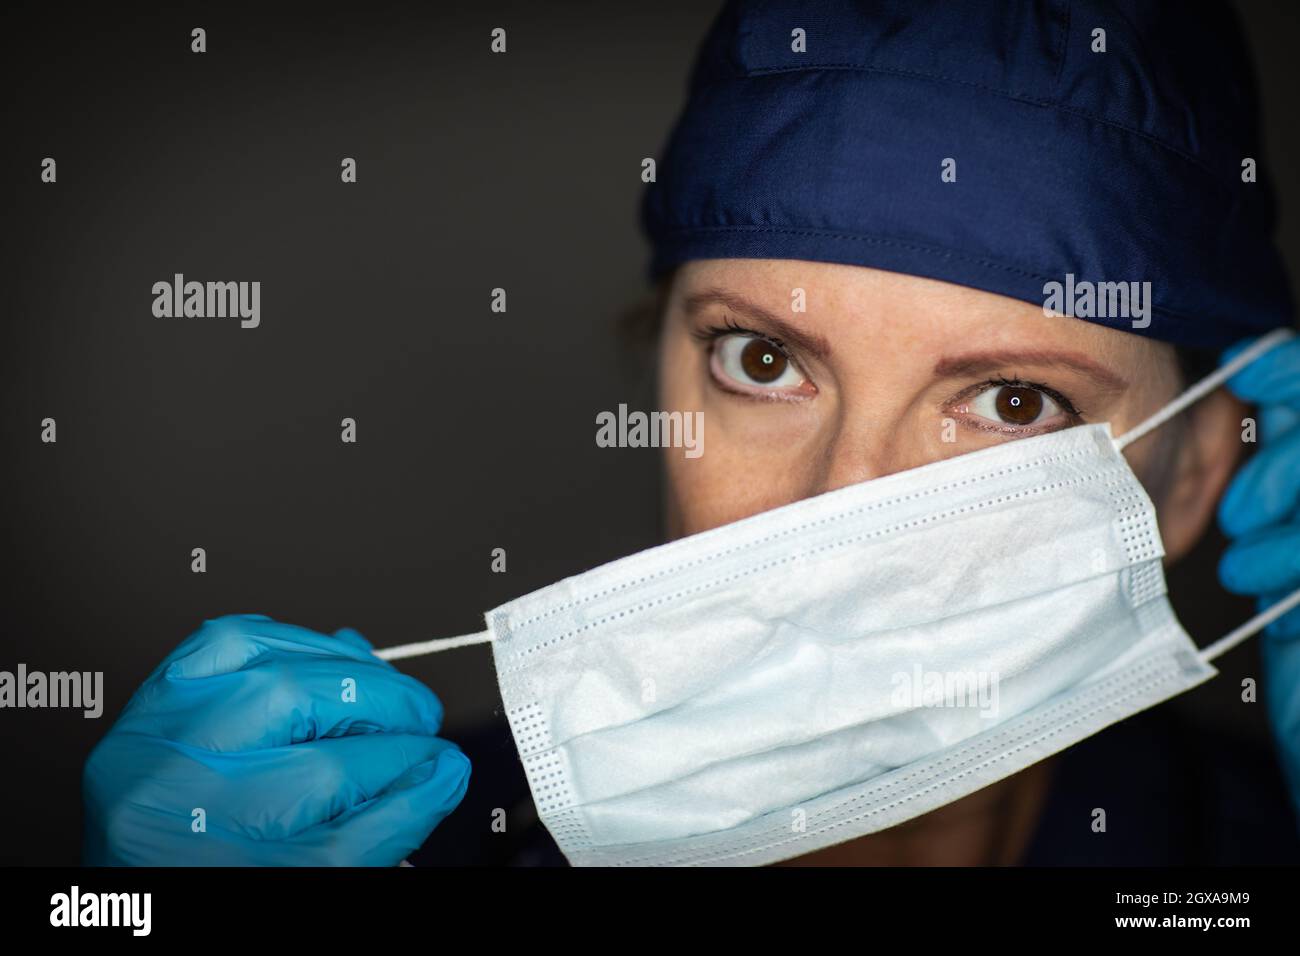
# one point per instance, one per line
(754, 362)
(1015, 405)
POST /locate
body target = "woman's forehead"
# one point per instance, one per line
(832, 304)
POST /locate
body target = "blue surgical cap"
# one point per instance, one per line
(1119, 166)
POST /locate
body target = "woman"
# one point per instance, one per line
(886, 236)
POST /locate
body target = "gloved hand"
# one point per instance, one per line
(1261, 512)
(248, 720)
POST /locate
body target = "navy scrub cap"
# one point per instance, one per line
(1122, 166)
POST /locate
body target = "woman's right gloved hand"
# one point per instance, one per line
(1261, 514)
(260, 743)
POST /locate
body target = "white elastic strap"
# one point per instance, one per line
(1193, 394)
(1196, 392)
(1255, 624)
(432, 647)
(1204, 386)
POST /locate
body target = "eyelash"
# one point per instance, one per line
(1067, 406)
(712, 333)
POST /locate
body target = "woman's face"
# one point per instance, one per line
(882, 372)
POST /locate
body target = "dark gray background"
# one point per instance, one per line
(475, 429)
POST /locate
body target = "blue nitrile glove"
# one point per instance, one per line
(1261, 512)
(247, 722)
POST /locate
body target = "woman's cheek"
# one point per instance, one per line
(697, 495)
(726, 484)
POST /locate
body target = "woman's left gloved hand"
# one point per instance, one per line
(1261, 514)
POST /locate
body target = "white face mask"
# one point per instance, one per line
(842, 664)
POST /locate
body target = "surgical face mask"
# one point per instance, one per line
(842, 664)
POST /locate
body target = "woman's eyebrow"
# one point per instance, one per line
(772, 324)
(981, 363)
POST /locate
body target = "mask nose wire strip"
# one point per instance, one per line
(1256, 623)
(432, 647)
(1204, 387)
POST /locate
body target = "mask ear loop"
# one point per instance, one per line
(432, 647)
(1193, 394)
(1253, 626)
(1204, 386)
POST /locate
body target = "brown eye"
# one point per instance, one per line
(762, 361)
(1014, 408)
(756, 366)
(1018, 406)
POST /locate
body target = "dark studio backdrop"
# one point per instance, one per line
(475, 430)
